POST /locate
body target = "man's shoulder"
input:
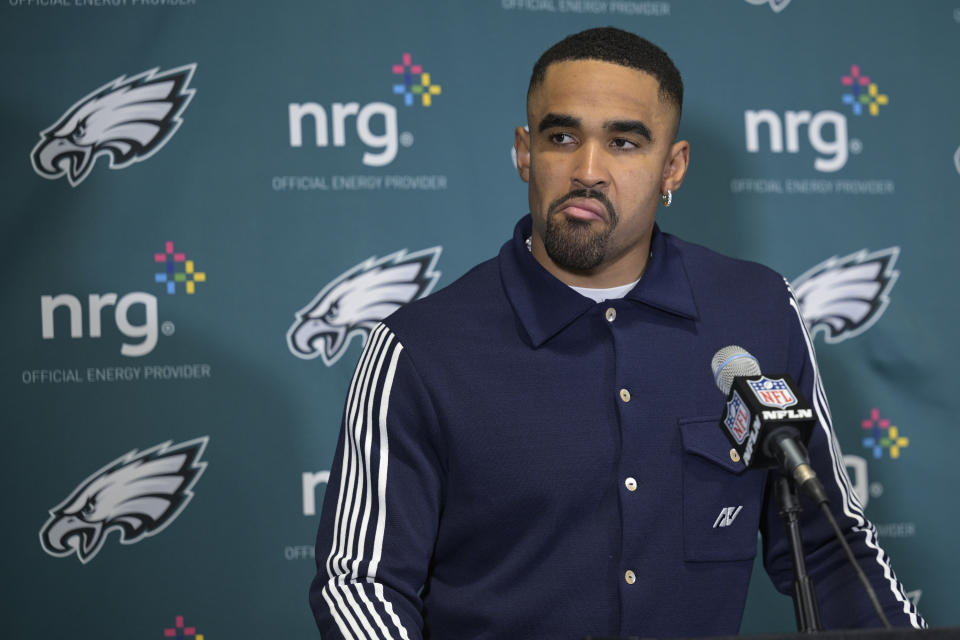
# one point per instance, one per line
(472, 299)
(708, 268)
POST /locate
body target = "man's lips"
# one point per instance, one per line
(584, 209)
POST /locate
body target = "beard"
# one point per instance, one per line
(573, 244)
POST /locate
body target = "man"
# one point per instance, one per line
(535, 451)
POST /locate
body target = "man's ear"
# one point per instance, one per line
(676, 166)
(521, 146)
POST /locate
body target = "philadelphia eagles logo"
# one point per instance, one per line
(127, 120)
(138, 494)
(355, 302)
(776, 5)
(843, 297)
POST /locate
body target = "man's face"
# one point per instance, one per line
(598, 155)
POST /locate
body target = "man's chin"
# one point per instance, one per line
(577, 261)
(577, 230)
(577, 246)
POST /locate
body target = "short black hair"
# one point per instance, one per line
(609, 44)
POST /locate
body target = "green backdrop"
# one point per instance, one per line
(180, 178)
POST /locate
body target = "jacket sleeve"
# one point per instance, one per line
(842, 599)
(380, 510)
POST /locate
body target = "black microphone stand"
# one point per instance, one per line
(804, 599)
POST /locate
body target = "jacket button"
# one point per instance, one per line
(734, 455)
(624, 395)
(630, 577)
(631, 484)
(611, 314)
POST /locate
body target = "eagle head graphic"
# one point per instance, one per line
(776, 5)
(138, 494)
(843, 297)
(358, 299)
(127, 120)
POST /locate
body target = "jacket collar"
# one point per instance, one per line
(545, 306)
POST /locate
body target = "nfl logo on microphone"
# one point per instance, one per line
(738, 418)
(773, 392)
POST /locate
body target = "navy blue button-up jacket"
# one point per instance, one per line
(493, 481)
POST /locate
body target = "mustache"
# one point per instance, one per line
(599, 196)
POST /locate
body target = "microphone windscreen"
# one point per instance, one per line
(731, 362)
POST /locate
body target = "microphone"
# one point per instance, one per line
(769, 422)
(766, 419)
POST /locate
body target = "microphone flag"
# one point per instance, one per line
(758, 405)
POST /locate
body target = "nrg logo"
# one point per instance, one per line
(121, 316)
(375, 123)
(833, 149)
(134, 314)
(857, 473)
(826, 131)
(310, 483)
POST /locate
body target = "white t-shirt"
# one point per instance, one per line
(599, 295)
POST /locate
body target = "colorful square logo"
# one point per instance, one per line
(177, 269)
(862, 93)
(416, 82)
(181, 632)
(883, 436)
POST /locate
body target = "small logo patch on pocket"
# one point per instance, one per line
(727, 516)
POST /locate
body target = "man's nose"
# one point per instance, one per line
(590, 170)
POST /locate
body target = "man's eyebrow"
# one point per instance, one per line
(629, 126)
(558, 120)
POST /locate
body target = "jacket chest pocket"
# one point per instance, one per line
(722, 500)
